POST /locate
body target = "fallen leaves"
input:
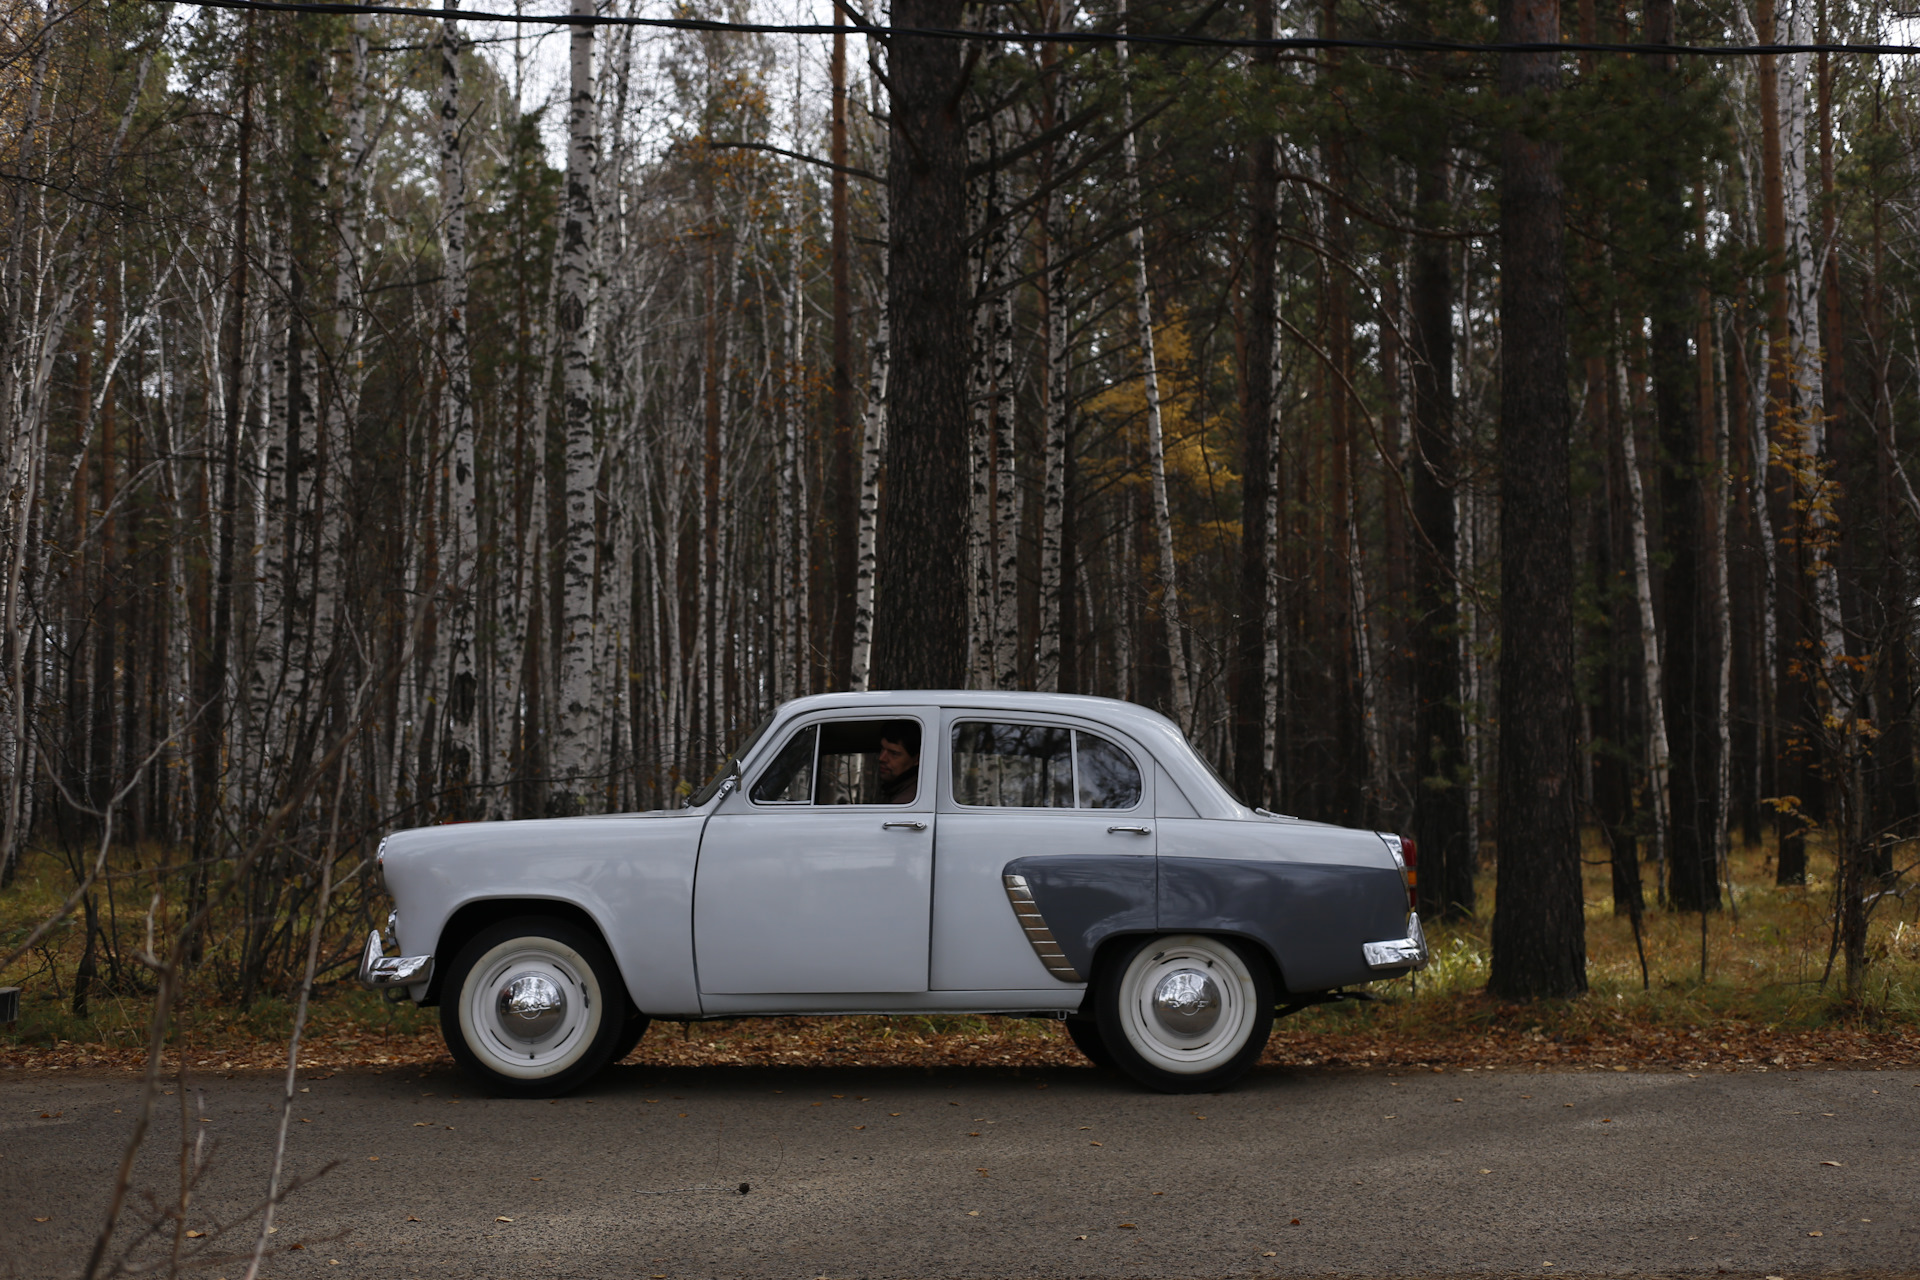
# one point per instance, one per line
(503, 1219)
(195, 1235)
(1816, 1233)
(1096, 1144)
(1833, 1164)
(50, 1220)
(973, 1213)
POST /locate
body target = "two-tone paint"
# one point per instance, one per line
(739, 907)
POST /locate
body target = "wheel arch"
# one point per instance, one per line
(470, 918)
(1111, 945)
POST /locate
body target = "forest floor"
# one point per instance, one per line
(1759, 1004)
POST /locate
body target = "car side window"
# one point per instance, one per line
(789, 779)
(1107, 776)
(837, 762)
(1032, 766)
(1022, 766)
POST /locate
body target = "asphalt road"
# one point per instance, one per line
(980, 1173)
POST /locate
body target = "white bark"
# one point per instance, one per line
(574, 733)
(799, 568)
(1156, 442)
(270, 547)
(462, 548)
(1658, 755)
(872, 440)
(1807, 369)
(980, 595)
(1002, 460)
(322, 449)
(1053, 493)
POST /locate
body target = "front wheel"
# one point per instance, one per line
(1185, 1013)
(533, 1007)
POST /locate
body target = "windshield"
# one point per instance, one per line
(728, 766)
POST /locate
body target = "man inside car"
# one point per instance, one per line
(899, 761)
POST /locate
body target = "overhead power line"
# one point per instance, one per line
(1301, 43)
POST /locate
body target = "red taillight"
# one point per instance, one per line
(1411, 853)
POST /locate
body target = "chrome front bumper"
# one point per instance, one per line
(1409, 952)
(378, 969)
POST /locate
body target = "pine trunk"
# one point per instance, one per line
(1539, 938)
(920, 638)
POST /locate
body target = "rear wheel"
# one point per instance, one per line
(1085, 1033)
(1185, 1013)
(533, 1007)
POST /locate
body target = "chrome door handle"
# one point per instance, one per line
(911, 826)
(1138, 831)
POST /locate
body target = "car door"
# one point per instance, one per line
(1024, 786)
(809, 879)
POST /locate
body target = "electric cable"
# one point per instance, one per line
(878, 31)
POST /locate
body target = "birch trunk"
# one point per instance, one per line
(329, 463)
(270, 542)
(574, 733)
(1156, 443)
(1053, 493)
(979, 552)
(1657, 753)
(1004, 459)
(872, 449)
(463, 526)
(1804, 259)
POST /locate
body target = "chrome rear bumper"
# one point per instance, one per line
(378, 969)
(1409, 952)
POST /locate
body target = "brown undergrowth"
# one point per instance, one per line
(1761, 1005)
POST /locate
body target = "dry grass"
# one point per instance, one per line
(1761, 1005)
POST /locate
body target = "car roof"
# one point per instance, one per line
(1112, 710)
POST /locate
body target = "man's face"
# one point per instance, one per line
(894, 760)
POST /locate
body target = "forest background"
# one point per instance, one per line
(1489, 448)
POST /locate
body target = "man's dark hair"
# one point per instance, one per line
(904, 732)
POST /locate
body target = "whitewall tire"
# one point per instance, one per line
(533, 1006)
(1185, 1012)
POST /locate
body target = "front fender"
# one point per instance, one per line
(631, 875)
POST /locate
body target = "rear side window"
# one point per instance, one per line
(1003, 765)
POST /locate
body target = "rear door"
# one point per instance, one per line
(1017, 786)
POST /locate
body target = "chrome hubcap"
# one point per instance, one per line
(1186, 1002)
(531, 1007)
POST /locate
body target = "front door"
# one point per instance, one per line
(816, 875)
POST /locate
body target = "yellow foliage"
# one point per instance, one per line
(1191, 457)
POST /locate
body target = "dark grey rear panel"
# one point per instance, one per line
(1312, 916)
(1087, 899)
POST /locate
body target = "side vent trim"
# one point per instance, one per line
(1034, 925)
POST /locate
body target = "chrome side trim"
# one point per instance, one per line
(1034, 925)
(378, 969)
(1409, 952)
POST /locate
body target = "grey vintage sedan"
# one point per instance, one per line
(1034, 855)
